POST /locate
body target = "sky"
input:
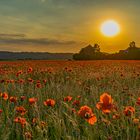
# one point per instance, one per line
(66, 25)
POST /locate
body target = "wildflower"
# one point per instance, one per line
(73, 110)
(21, 81)
(1, 111)
(44, 81)
(136, 121)
(116, 116)
(86, 113)
(68, 69)
(50, 70)
(138, 101)
(30, 80)
(2, 81)
(20, 120)
(49, 102)
(13, 99)
(22, 98)
(32, 100)
(129, 111)
(29, 70)
(105, 104)
(68, 98)
(19, 73)
(21, 110)
(76, 103)
(38, 85)
(12, 81)
(7, 81)
(34, 120)
(78, 96)
(4, 96)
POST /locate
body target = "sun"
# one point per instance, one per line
(110, 28)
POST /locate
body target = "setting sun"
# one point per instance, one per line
(110, 28)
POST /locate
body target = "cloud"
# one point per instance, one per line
(21, 39)
(11, 35)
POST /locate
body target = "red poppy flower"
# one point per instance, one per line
(49, 102)
(86, 113)
(20, 120)
(22, 98)
(76, 103)
(138, 101)
(105, 104)
(32, 100)
(38, 85)
(4, 96)
(21, 110)
(30, 69)
(13, 99)
(129, 111)
(1, 111)
(68, 99)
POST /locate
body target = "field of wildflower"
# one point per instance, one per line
(70, 100)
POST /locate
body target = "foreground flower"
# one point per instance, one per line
(4, 96)
(86, 113)
(44, 81)
(32, 101)
(22, 98)
(21, 110)
(20, 120)
(136, 121)
(38, 85)
(19, 73)
(116, 116)
(76, 103)
(0, 111)
(105, 104)
(34, 120)
(68, 99)
(30, 80)
(13, 99)
(30, 69)
(138, 101)
(49, 102)
(129, 111)
(21, 81)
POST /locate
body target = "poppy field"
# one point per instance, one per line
(70, 100)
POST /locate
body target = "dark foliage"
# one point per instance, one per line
(93, 53)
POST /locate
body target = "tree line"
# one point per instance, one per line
(93, 53)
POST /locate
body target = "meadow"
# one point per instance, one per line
(70, 100)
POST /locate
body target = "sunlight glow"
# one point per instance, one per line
(110, 28)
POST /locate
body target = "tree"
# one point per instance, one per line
(93, 53)
(97, 48)
(132, 44)
(88, 53)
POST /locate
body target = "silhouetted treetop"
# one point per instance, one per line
(88, 53)
(93, 53)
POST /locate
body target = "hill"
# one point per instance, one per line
(5, 55)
